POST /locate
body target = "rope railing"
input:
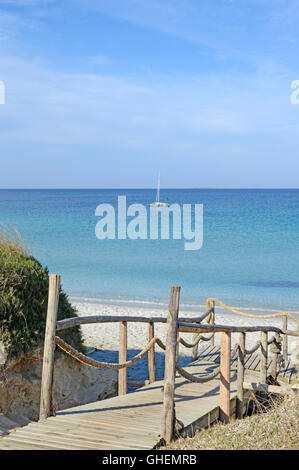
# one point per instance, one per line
(175, 326)
(251, 315)
(106, 365)
(199, 338)
(208, 377)
(257, 345)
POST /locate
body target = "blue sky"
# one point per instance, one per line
(105, 94)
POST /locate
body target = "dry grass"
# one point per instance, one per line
(276, 429)
(11, 239)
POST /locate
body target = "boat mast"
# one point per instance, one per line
(158, 190)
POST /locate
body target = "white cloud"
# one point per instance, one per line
(100, 59)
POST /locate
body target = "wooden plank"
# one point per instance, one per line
(280, 390)
(67, 435)
(256, 364)
(130, 424)
(213, 352)
(19, 446)
(72, 439)
(29, 444)
(247, 360)
(251, 360)
(49, 347)
(204, 350)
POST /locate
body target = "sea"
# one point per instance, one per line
(249, 256)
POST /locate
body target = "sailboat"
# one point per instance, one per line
(158, 203)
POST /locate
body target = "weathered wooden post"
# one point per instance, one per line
(285, 338)
(264, 357)
(170, 362)
(122, 357)
(225, 377)
(46, 400)
(275, 348)
(195, 348)
(212, 320)
(177, 354)
(240, 379)
(151, 354)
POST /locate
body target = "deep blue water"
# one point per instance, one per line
(249, 257)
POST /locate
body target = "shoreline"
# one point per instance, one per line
(163, 304)
(105, 337)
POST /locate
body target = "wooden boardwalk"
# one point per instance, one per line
(133, 421)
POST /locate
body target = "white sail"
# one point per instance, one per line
(158, 190)
(158, 203)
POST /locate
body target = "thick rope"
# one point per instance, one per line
(105, 365)
(199, 338)
(257, 345)
(208, 377)
(274, 315)
(199, 380)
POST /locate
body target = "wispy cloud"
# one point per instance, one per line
(225, 118)
(100, 59)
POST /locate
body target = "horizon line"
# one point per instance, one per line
(153, 188)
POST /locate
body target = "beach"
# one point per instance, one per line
(105, 336)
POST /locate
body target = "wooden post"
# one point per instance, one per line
(225, 377)
(170, 362)
(122, 357)
(195, 348)
(240, 380)
(151, 354)
(212, 322)
(46, 399)
(275, 357)
(177, 354)
(264, 357)
(285, 338)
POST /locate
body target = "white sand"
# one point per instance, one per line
(105, 336)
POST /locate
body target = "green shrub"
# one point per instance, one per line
(23, 301)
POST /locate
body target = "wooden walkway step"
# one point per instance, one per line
(131, 421)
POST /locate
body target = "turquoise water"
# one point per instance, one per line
(249, 257)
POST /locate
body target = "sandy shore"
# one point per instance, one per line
(106, 336)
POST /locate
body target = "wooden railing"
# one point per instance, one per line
(175, 326)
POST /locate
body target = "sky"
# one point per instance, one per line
(106, 94)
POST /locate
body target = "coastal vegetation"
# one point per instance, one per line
(23, 299)
(273, 427)
(276, 428)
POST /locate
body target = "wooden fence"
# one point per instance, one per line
(175, 326)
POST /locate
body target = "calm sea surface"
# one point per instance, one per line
(249, 257)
